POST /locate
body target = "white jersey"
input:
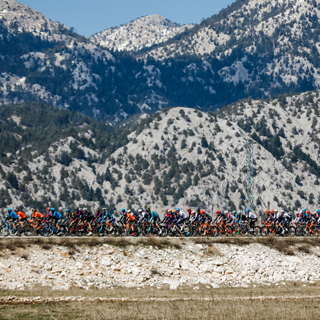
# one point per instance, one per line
(183, 215)
(252, 215)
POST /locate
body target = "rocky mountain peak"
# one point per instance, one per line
(18, 17)
(138, 34)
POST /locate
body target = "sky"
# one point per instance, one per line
(92, 16)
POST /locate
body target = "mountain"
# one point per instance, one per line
(178, 157)
(141, 33)
(17, 17)
(258, 49)
(289, 25)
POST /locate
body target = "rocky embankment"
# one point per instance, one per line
(25, 264)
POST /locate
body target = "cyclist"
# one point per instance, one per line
(205, 220)
(252, 218)
(68, 218)
(168, 218)
(98, 216)
(48, 213)
(88, 218)
(143, 217)
(310, 220)
(108, 218)
(130, 219)
(181, 217)
(231, 219)
(56, 218)
(37, 217)
(154, 219)
(12, 217)
(189, 210)
(21, 215)
(123, 217)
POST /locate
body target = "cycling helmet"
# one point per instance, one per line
(239, 212)
(189, 209)
(247, 210)
(123, 210)
(234, 211)
(140, 210)
(282, 211)
(85, 209)
(308, 212)
(129, 211)
(202, 211)
(68, 210)
(9, 209)
(148, 210)
(275, 210)
(272, 211)
(317, 211)
(226, 212)
(178, 210)
(52, 209)
(304, 210)
(267, 211)
(104, 209)
(169, 211)
(218, 211)
(48, 209)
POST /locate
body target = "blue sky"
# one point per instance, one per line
(91, 16)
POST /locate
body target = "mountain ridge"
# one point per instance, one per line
(138, 34)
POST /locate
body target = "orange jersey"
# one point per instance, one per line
(37, 215)
(131, 217)
(21, 214)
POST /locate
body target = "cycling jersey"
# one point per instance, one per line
(37, 215)
(143, 216)
(252, 216)
(183, 215)
(70, 215)
(108, 216)
(88, 216)
(55, 215)
(21, 215)
(232, 219)
(12, 215)
(130, 217)
(224, 217)
(153, 216)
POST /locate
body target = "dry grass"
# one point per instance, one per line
(176, 310)
(286, 246)
(200, 309)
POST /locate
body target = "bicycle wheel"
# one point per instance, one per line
(47, 232)
(215, 232)
(28, 230)
(256, 231)
(5, 231)
(264, 231)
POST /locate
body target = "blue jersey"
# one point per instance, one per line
(55, 215)
(12, 215)
(153, 215)
(108, 215)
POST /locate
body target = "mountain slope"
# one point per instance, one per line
(139, 34)
(17, 17)
(262, 49)
(248, 24)
(179, 157)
